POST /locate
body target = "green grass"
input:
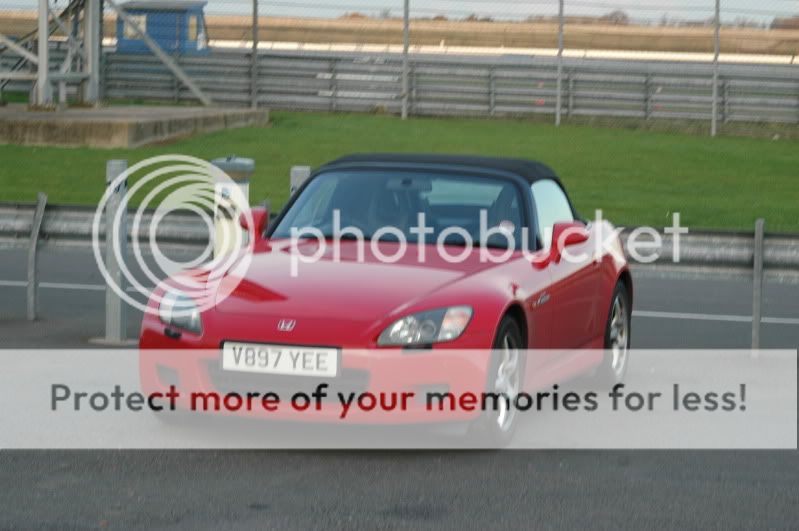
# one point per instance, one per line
(635, 177)
(14, 97)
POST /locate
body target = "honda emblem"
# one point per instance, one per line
(286, 325)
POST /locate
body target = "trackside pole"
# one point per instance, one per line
(406, 45)
(757, 289)
(33, 265)
(559, 89)
(714, 119)
(115, 235)
(254, 57)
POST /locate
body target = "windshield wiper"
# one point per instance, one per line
(476, 245)
(346, 237)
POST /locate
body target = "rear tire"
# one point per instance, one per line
(495, 428)
(614, 365)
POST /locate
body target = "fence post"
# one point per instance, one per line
(413, 95)
(105, 66)
(333, 86)
(115, 234)
(725, 101)
(406, 45)
(716, 50)
(757, 289)
(492, 94)
(648, 96)
(559, 95)
(570, 89)
(100, 81)
(33, 265)
(254, 57)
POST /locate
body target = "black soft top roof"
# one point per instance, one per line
(527, 169)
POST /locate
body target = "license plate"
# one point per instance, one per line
(279, 359)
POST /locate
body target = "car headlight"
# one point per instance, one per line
(179, 310)
(425, 328)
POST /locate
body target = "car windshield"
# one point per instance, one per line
(383, 205)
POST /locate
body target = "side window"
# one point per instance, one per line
(193, 28)
(140, 21)
(202, 37)
(551, 206)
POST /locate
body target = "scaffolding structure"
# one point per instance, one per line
(79, 24)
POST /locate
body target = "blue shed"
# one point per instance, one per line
(177, 26)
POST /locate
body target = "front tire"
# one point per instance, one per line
(617, 338)
(496, 427)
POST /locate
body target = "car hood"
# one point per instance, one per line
(361, 290)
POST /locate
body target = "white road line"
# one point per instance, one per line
(693, 316)
(59, 285)
(713, 317)
(781, 320)
(54, 285)
(638, 313)
(82, 287)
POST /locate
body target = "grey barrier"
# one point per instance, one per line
(443, 85)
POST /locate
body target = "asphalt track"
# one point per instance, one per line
(519, 489)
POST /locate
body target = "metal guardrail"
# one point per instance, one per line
(448, 85)
(70, 225)
(474, 85)
(752, 255)
(733, 251)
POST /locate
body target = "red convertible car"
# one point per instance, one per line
(347, 286)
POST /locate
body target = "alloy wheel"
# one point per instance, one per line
(619, 336)
(507, 382)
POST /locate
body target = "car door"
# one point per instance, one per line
(573, 292)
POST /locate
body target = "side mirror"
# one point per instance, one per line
(260, 218)
(569, 233)
(564, 234)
